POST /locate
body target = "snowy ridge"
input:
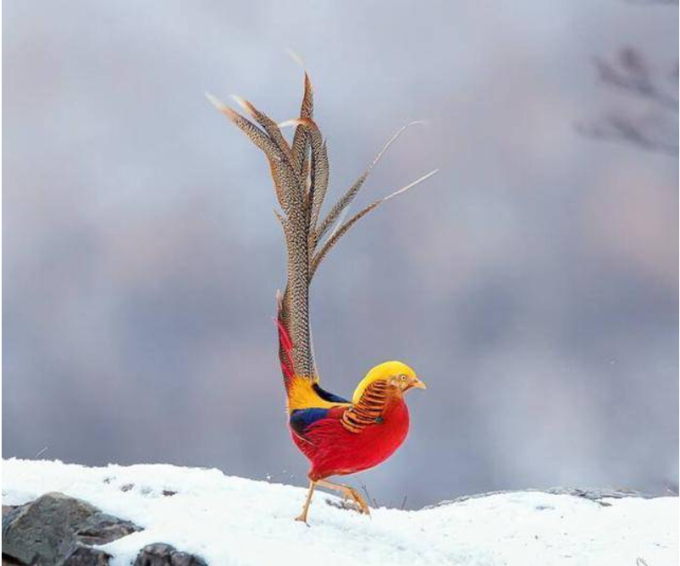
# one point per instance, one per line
(235, 521)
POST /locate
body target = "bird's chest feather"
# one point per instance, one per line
(333, 449)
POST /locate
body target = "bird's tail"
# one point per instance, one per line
(300, 172)
(285, 344)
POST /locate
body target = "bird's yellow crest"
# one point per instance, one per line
(382, 371)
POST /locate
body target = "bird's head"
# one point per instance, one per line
(396, 374)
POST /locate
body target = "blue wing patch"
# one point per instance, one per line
(302, 418)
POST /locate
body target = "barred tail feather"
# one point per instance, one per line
(300, 171)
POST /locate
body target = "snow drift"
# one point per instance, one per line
(235, 521)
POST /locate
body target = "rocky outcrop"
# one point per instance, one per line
(593, 494)
(58, 530)
(160, 554)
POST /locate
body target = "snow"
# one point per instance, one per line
(235, 521)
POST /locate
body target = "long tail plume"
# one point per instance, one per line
(300, 171)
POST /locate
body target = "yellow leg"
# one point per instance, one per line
(305, 509)
(348, 492)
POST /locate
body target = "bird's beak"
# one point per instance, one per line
(417, 384)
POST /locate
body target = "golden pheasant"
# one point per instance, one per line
(338, 436)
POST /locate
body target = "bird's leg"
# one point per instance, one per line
(347, 491)
(305, 509)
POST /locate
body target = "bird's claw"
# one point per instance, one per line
(362, 506)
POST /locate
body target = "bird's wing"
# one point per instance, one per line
(355, 418)
(301, 419)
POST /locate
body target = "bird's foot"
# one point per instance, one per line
(361, 505)
(348, 493)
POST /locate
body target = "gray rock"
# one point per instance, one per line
(160, 554)
(54, 528)
(596, 495)
(86, 556)
(103, 528)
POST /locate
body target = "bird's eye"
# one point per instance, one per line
(402, 377)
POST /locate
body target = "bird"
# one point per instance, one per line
(338, 436)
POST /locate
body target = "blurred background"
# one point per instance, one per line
(532, 283)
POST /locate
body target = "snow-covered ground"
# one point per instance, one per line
(235, 521)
